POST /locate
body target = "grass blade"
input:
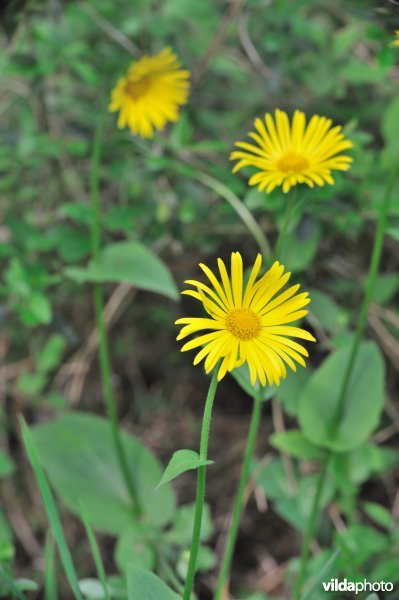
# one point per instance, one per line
(10, 585)
(51, 510)
(95, 551)
(322, 576)
(50, 579)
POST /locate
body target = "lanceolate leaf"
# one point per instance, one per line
(181, 461)
(295, 444)
(144, 585)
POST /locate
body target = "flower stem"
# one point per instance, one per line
(238, 506)
(199, 502)
(240, 208)
(289, 212)
(371, 279)
(105, 363)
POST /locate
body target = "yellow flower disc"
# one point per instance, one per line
(247, 323)
(287, 154)
(151, 93)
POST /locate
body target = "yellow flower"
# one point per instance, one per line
(396, 41)
(151, 93)
(247, 323)
(287, 154)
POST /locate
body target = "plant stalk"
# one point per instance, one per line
(239, 207)
(289, 212)
(371, 279)
(238, 505)
(105, 363)
(200, 499)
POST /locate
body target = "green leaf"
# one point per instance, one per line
(361, 543)
(326, 311)
(79, 456)
(385, 288)
(128, 262)
(26, 585)
(241, 375)
(379, 514)
(37, 310)
(93, 589)
(73, 245)
(133, 547)
(295, 444)
(297, 506)
(324, 575)
(182, 461)
(272, 479)
(32, 383)
(50, 356)
(291, 387)
(181, 532)
(300, 247)
(6, 464)
(7, 550)
(372, 597)
(363, 405)
(144, 585)
(390, 126)
(362, 463)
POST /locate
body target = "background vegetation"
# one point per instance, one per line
(59, 61)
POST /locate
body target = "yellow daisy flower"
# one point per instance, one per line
(247, 323)
(396, 41)
(287, 154)
(151, 93)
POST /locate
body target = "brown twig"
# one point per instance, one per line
(19, 523)
(388, 342)
(114, 33)
(217, 41)
(250, 49)
(78, 366)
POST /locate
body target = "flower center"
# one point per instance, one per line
(293, 163)
(138, 88)
(243, 323)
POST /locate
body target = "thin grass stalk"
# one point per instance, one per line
(51, 510)
(95, 552)
(50, 579)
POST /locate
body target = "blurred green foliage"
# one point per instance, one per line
(58, 64)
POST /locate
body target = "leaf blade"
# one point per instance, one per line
(182, 461)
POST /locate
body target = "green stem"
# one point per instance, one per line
(371, 279)
(200, 499)
(310, 527)
(238, 506)
(240, 208)
(105, 363)
(291, 205)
